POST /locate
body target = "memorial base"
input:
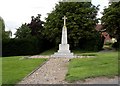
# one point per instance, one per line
(63, 51)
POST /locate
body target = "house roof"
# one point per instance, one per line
(98, 27)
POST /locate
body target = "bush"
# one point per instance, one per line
(92, 43)
(116, 45)
(15, 47)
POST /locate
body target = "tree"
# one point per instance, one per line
(2, 25)
(81, 22)
(34, 28)
(23, 32)
(111, 20)
(36, 25)
(4, 34)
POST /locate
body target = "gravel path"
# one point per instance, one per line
(52, 72)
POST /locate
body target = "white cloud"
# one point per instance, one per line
(16, 12)
(102, 4)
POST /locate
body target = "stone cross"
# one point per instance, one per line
(64, 20)
(64, 50)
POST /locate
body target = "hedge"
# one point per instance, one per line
(92, 43)
(15, 47)
(116, 45)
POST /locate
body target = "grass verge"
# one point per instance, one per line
(14, 69)
(48, 52)
(77, 52)
(105, 64)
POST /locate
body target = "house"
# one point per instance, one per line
(103, 33)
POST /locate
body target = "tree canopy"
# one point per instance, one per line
(2, 25)
(36, 25)
(81, 22)
(23, 32)
(111, 19)
(34, 28)
(3, 33)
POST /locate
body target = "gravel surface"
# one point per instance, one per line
(39, 56)
(52, 72)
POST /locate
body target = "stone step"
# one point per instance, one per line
(63, 54)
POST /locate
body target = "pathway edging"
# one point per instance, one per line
(35, 69)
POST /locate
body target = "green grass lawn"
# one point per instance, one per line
(104, 64)
(77, 52)
(48, 52)
(15, 69)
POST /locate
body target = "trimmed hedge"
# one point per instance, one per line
(92, 43)
(15, 47)
(116, 45)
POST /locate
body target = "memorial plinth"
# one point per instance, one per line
(64, 50)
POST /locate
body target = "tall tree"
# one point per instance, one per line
(34, 28)
(36, 25)
(111, 20)
(4, 34)
(2, 25)
(81, 21)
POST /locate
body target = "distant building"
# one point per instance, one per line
(103, 33)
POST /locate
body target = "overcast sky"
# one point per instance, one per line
(17, 12)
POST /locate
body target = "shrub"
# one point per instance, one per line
(93, 42)
(116, 45)
(14, 47)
